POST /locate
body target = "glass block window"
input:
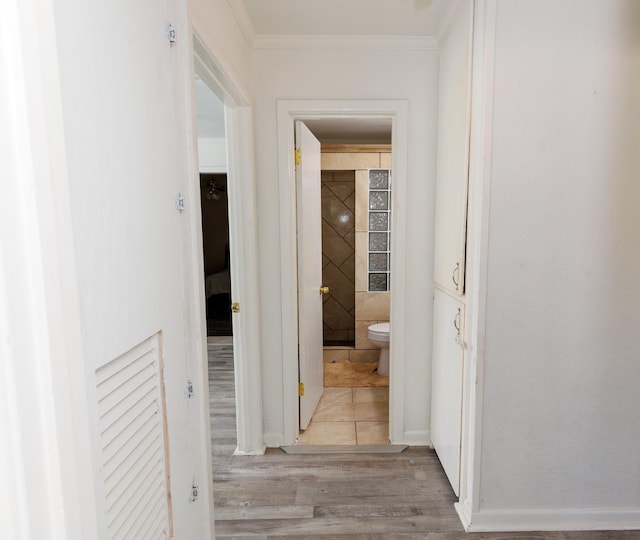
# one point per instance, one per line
(379, 229)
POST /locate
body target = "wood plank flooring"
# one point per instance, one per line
(334, 496)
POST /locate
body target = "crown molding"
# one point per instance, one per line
(341, 43)
(244, 20)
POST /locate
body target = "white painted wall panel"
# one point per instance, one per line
(454, 89)
(126, 94)
(446, 370)
(560, 427)
(349, 73)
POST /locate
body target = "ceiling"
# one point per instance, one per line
(390, 18)
(351, 131)
(352, 17)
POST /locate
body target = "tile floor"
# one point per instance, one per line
(350, 416)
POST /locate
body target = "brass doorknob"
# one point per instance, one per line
(324, 290)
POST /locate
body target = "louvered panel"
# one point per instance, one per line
(137, 514)
(139, 394)
(127, 401)
(131, 420)
(123, 456)
(152, 534)
(123, 377)
(126, 430)
(121, 388)
(139, 529)
(134, 464)
(114, 476)
(146, 476)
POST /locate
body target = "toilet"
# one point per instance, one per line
(378, 334)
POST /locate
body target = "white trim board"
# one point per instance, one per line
(477, 242)
(215, 76)
(590, 519)
(288, 112)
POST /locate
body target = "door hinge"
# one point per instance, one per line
(180, 205)
(194, 493)
(300, 389)
(235, 307)
(188, 390)
(297, 156)
(171, 34)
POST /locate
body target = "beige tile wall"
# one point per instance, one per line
(338, 256)
(371, 307)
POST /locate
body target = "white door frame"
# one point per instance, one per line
(243, 248)
(483, 58)
(288, 112)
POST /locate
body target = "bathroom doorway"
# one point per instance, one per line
(350, 112)
(355, 211)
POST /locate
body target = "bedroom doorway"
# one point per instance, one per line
(214, 207)
(227, 150)
(215, 245)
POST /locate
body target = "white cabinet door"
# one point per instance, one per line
(454, 98)
(446, 400)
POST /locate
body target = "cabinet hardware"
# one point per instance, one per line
(455, 276)
(456, 323)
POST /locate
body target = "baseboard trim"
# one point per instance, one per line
(414, 438)
(464, 513)
(345, 449)
(260, 452)
(589, 519)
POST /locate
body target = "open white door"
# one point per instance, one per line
(309, 271)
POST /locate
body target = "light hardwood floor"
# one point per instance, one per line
(339, 497)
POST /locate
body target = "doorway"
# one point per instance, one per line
(212, 166)
(355, 208)
(349, 399)
(229, 157)
(215, 239)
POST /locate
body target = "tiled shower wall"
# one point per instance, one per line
(370, 307)
(338, 257)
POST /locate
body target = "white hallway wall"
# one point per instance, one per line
(349, 72)
(560, 427)
(127, 117)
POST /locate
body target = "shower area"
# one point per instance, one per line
(356, 220)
